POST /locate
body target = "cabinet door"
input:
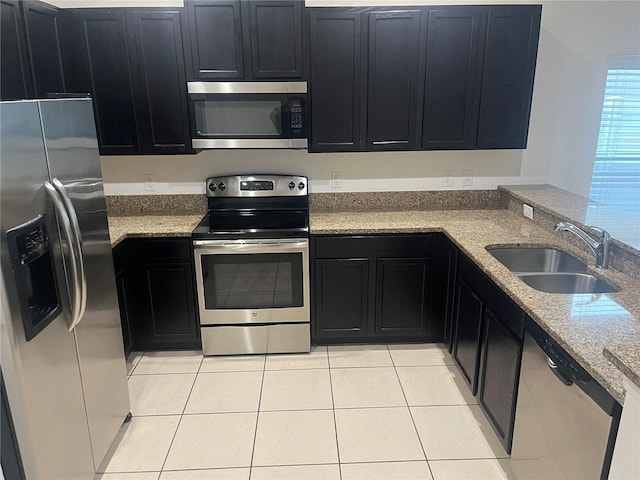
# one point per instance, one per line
(123, 303)
(502, 352)
(337, 86)
(466, 337)
(275, 31)
(155, 41)
(216, 39)
(168, 319)
(16, 82)
(341, 297)
(402, 286)
(395, 80)
(43, 37)
(102, 35)
(452, 77)
(507, 78)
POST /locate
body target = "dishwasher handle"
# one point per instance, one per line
(558, 373)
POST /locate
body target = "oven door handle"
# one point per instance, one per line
(222, 244)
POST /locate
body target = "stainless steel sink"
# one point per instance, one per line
(533, 259)
(566, 283)
(550, 270)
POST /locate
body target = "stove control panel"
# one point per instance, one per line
(257, 186)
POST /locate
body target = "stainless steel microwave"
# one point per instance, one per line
(248, 114)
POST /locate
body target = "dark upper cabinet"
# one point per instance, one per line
(43, 37)
(106, 73)
(452, 77)
(395, 80)
(337, 84)
(160, 97)
(215, 30)
(236, 40)
(132, 63)
(507, 77)
(275, 31)
(16, 82)
(402, 289)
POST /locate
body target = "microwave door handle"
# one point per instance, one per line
(75, 227)
(65, 226)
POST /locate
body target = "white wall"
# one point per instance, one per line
(576, 39)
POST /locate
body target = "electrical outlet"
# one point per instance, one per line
(447, 178)
(467, 177)
(527, 211)
(149, 184)
(336, 179)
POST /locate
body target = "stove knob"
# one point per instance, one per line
(301, 185)
(222, 186)
(292, 185)
(212, 187)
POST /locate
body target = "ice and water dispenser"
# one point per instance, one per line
(32, 261)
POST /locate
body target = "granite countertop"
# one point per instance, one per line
(582, 324)
(168, 225)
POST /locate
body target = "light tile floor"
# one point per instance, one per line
(347, 412)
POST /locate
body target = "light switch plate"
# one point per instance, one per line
(336, 179)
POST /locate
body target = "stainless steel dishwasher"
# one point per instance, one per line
(566, 423)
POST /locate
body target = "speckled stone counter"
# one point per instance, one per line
(627, 359)
(121, 227)
(582, 324)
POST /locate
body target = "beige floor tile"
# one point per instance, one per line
(317, 358)
(132, 360)
(377, 434)
(187, 361)
(456, 432)
(366, 387)
(211, 474)
(419, 355)
(159, 394)
(296, 390)
(212, 441)
(233, 363)
(225, 392)
(293, 438)
(386, 471)
(343, 356)
(144, 444)
(297, 472)
(470, 470)
(129, 476)
(435, 385)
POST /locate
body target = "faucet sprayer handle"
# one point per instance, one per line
(604, 235)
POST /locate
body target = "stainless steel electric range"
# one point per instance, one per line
(252, 265)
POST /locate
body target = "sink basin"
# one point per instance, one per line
(533, 259)
(566, 283)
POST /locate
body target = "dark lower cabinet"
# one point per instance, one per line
(487, 345)
(156, 294)
(373, 289)
(341, 297)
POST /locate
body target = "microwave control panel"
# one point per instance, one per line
(296, 116)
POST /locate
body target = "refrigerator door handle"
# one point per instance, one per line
(65, 225)
(75, 228)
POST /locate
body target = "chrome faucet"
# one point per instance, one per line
(599, 247)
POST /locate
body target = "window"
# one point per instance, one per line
(616, 172)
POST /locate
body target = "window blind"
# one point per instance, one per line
(616, 172)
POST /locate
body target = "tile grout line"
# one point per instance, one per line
(395, 369)
(181, 415)
(333, 411)
(255, 430)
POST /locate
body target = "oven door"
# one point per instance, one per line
(248, 114)
(252, 281)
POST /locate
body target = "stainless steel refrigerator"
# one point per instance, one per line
(62, 355)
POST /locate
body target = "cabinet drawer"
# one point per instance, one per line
(164, 250)
(374, 245)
